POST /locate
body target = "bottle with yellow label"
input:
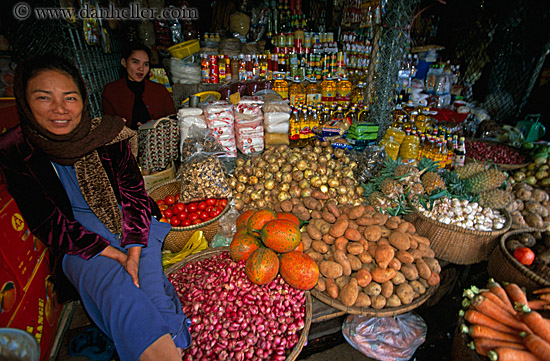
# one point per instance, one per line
(398, 115)
(313, 93)
(328, 91)
(304, 128)
(408, 151)
(296, 92)
(358, 94)
(280, 86)
(294, 129)
(391, 147)
(343, 92)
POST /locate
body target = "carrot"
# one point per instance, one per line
(483, 331)
(500, 292)
(541, 290)
(537, 304)
(510, 354)
(537, 346)
(476, 317)
(538, 324)
(516, 294)
(483, 345)
(493, 297)
(488, 308)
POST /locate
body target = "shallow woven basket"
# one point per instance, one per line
(505, 167)
(178, 237)
(503, 267)
(372, 312)
(459, 348)
(309, 307)
(457, 244)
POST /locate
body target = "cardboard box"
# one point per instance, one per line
(20, 250)
(39, 313)
(160, 177)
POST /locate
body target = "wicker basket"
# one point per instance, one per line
(178, 237)
(503, 266)
(367, 311)
(309, 308)
(456, 244)
(459, 348)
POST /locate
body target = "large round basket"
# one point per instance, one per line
(456, 244)
(503, 267)
(372, 312)
(459, 348)
(178, 237)
(214, 251)
(501, 166)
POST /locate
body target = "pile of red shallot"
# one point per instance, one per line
(498, 153)
(234, 319)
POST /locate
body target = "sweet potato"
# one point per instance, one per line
(366, 221)
(404, 257)
(315, 214)
(403, 227)
(342, 259)
(424, 270)
(319, 246)
(342, 281)
(332, 207)
(409, 271)
(373, 233)
(418, 287)
(421, 239)
(365, 257)
(277, 207)
(338, 228)
(352, 234)
(378, 302)
(393, 222)
(434, 279)
(414, 244)
(385, 231)
(331, 269)
(387, 289)
(355, 248)
(354, 262)
(383, 242)
(341, 243)
(301, 212)
(317, 194)
(369, 266)
(363, 277)
(286, 206)
(296, 202)
(327, 216)
(349, 293)
(317, 257)
(306, 240)
(332, 288)
(381, 275)
(405, 293)
(356, 212)
(373, 289)
(426, 251)
(433, 264)
(400, 240)
(363, 300)
(372, 249)
(415, 253)
(395, 264)
(363, 241)
(393, 301)
(380, 218)
(384, 254)
(412, 228)
(398, 279)
(314, 232)
(328, 239)
(352, 225)
(321, 284)
(312, 203)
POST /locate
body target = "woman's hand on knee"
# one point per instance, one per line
(132, 264)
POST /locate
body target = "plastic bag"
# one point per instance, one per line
(277, 106)
(386, 338)
(370, 161)
(277, 122)
(202, 176)
(196, 243)
(198, 140)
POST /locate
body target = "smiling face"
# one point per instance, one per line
(137, 65)
(55, 101)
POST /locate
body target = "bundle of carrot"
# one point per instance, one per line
(503, 325)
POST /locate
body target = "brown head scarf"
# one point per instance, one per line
(77, 148)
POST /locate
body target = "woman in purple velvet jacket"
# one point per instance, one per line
(79, 188)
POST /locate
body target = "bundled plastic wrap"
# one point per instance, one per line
(249, 131)
(277, 122)
(220, 119)
(386, 338)
(183, 72)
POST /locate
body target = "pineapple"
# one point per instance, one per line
(495, 198)
(403, 169)
(417, 188)
(486, 180)
(377, 200)
(470, 169)
(432, 181)
(391, 188)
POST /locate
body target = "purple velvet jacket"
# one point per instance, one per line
(41, 198)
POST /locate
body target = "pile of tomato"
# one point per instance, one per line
(180, 214)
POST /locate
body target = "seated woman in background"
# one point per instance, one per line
(135, 98)
(78, 186)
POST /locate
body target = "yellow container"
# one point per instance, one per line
(183, 50)
(280, 86)
(397, 134)
(409, 148)
(391, 147)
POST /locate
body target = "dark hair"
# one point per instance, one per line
(131, 47)
(30, 67)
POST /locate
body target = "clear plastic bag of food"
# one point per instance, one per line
(198, 139)
(202, 176)
(369, 162)
(386, 338)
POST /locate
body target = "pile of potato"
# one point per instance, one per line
(368, 259)
(531, 207)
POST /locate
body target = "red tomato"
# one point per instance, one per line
(185, 222)
(164, 220)
(182, 215)
(178, 207)
(168, 213)
(170, 200)
(160, 202)
(524, 255)
(192, 207)
(175, 221)
(211, 201)
(214, 212)
(196, 221)
(222, 203)
(202, 205)
(204, 216)
(177, 197)
(163, 207)
(192, 216)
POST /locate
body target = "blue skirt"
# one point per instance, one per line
(132, 317)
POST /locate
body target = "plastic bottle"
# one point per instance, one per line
(313, 93)
(450, 152)
(242, 68)
(408, 151)
(221, 70)
(228, 69)
(391, 147)
(343, 92)
(314, 124)
(444, 153)
(294, 129)
(328, 91)
(205, 69)
(358, 94)
(422, 146)
(304, 128)
(296, 92)
(460, 154)
(280, 86)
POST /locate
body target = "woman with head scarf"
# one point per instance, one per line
(134, 97)
(78, 186)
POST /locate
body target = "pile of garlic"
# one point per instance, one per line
(464, 214)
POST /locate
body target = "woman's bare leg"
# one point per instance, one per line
(163, 349)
